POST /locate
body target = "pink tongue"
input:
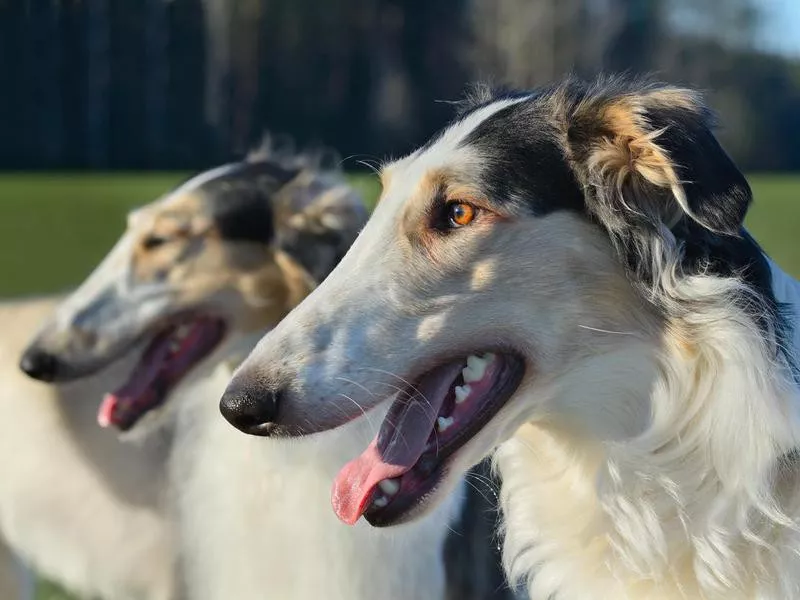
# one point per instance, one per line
(352, 489)
(138, 386)
(402, 440)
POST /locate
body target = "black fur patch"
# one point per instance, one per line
(523, 148)
(717, 192)
(317, 253)
(523, 163)
(240, 201)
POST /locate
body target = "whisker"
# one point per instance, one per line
(478, 489)
(361, 408)
(355, 383)
(408, 396)
(404, 381)
(597, 329)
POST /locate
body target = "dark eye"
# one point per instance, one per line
(154, 241)
(460, 214)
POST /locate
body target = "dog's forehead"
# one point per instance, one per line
(446, 152)
(172, 207)
(182, 198)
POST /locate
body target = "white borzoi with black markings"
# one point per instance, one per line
(200, 275)
(562, 275)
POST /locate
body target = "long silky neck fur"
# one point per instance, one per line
(703, 502)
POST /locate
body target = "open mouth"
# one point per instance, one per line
(429, 422)
(170, 355)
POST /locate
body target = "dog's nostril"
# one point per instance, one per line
(39, 364)
(249, 410)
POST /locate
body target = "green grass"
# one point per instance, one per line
(55, 227)
(775, 218)
(49, 591)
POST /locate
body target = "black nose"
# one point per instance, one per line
(249, 409)
(39, 364)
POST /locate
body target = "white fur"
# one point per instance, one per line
(695, 505)
(256, 522)
(74, 503)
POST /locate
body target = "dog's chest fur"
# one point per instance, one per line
(256, 521)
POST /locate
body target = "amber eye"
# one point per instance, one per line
(460, 214)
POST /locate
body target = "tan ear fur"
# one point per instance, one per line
(627, 156)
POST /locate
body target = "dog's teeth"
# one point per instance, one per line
(174, 346)
(389, 486)
(183, 331)
(475, 368)
(462, 392)
(380, 502)
(444, 423)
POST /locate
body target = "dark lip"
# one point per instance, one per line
(153, 332)
(73, 370)
(435, 464)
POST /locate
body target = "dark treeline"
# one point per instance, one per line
(133, 84)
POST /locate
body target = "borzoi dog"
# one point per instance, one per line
(563, 275)
(201, 274)
(75, 504)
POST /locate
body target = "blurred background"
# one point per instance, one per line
(166, 84)
(104, 104)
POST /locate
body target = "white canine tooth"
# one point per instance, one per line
(475, 369)
(444, 423)
(380, 501)
(462, 392)
(183, 331)
(389, 486)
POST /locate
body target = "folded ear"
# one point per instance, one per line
(648, 159)
(319, 221)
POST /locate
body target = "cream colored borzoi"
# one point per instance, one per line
(562, 275)
(200, 275)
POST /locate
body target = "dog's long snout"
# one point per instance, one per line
(251, 409)
(39, 364)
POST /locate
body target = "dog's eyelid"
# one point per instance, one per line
(468, 196)
(153, 240)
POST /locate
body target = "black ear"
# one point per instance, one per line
(647, 158)
(717, 193)
(243, 215)
(242, 201)
(320, 222)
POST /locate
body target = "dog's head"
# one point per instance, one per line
(517, 258)
(229, 252)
